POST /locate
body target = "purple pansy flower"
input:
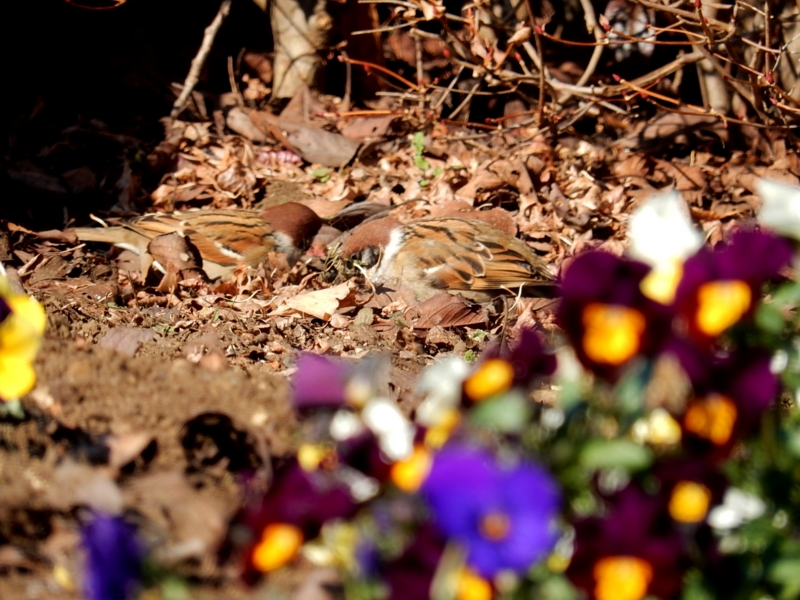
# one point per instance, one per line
(731, 393)
(503, 516)
(320, 381)
(528, 356)
(410, 576)
(114, 558)
(633, 546)
(271, 529)
(502, 368)
(607, 316)
(720, 287)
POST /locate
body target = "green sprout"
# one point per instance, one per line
(418, 144)
(322, 174)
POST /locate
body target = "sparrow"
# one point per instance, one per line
(224, 238)
(465, 256)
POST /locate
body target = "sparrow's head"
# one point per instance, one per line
(369, 241)
(295, 226)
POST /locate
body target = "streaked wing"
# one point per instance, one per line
(471, 255)
(215, 233)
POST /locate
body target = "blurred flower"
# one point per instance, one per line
(323, 382)
(605, 314)
(320, 381)
(689, 502)
(337, 546)
(658, 428)
(780, 210)
(394, 431)
(504, 517)
(22, 322)
(114, 558)
(502, 368)
(630, 552)
(273, 528)
(410, 576)
(662, 235)
(409, 474)
(471, 586)
(731, 391)
(720, 287)
(690, 488)
(441, 386)
(737, 507)
(493, 377)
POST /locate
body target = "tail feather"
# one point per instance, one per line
(122, 237)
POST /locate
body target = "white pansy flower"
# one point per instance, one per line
(661, 230)
(441, 384)
(394, 431)
(661, 234)
(737, 507)
(345, 425)
(780, 210)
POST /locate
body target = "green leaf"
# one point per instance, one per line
(322, 174)
(555, 587)
(418, 145)
(437, 171)
(694, 587)
(12, 409)
(508, 413)
(421, 163)
(424, 183)
(784, 572)
(620, 453)
(769, 318)
(174, 588)
(787, 295)
(792, 442)
(630, 390)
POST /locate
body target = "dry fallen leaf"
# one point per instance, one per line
(445, 310)
(126, 340)
(321, 304)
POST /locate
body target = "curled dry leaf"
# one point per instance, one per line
(314, 145)
(368, 127)
(237, 179)
(172, 250)
(496, 175)
(80, 484)
(239, 122)
(321, 304)
(193, 525)
(126, 340)
(445, 310)
(125, 447)
(320, 146)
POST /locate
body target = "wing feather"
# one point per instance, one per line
(477, 257)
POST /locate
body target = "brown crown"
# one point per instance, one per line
(295, 220)
(374, 234)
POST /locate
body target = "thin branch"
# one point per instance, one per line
(197, 63)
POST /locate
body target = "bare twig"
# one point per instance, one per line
(420, 70)
(464, 102)
(197, 63)
(593, 28)
(234, 87)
